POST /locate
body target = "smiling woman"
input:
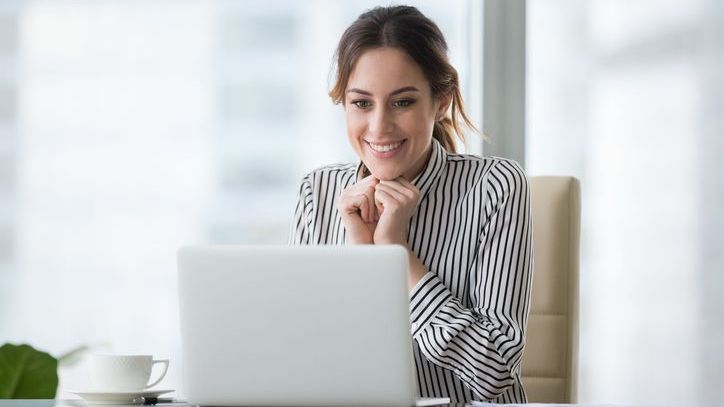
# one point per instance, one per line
(128, 129)
(465, 220)
(390, 130)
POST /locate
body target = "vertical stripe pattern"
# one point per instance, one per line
(472, 230)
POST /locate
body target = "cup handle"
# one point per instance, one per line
(165, 369)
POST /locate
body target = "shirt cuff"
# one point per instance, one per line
(427, 298)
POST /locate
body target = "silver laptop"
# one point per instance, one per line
(296, 326)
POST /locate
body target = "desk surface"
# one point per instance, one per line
(80, 403)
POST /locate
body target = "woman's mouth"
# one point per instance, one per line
(385, 150)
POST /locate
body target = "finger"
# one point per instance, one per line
(371, 209)
(380, 200)
(390, 190)
(364, 208)
(367, 181)
(370, 194)
(408, 184)
(406, 188)
(354, 195)
(361, 186)
(383, 200)
(399, 188)
(353, 190)
(348, 205)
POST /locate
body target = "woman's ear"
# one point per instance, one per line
(443, 106)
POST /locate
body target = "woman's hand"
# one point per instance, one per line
(359, 214)
(395, 201)
(378, 212)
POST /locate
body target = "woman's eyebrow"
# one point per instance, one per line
(364, 92)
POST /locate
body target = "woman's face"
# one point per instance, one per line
(390, 113)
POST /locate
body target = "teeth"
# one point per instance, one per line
(385, 148)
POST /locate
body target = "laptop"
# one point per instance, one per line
(296, 326)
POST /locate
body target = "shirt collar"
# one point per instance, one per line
(356, 172)
(429, 174)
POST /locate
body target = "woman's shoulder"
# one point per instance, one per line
(488, 167)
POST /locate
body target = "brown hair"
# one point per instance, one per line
(406, 28)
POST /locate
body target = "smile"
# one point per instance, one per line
(385, 148)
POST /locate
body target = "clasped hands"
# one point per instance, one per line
(378, 212)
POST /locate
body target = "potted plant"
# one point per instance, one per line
(27, 373)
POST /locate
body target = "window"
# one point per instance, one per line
(128, 129)
(627, 99)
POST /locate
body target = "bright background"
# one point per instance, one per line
(628, 96)
(128, 128)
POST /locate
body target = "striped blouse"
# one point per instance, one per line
(472, 230)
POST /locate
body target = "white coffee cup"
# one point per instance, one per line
(123, 373)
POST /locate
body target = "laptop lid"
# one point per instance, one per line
(280, 325)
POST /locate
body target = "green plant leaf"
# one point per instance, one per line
(26, 373)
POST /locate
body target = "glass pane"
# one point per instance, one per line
(627, 97)
(129, 128)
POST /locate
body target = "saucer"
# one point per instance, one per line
(117, 397)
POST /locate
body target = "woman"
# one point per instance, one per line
(464, 220)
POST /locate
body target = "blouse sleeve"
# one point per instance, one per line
(483, 344)
(299, 233)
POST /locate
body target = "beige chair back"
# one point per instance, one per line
(550, 357)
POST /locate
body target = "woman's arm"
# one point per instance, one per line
(483, 344)
(299, 233)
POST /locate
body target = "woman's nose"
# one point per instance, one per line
(381, 122)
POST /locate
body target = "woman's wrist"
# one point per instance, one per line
(401, 240)
(417, 270)
(390, 241)
(359, 238)
(353, 240)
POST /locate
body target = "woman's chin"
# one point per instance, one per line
(384, 174)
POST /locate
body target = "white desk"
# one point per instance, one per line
(80, 403)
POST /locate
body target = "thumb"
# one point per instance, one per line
(379, 205)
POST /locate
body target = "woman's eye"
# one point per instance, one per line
(362, 104)
(403, 102)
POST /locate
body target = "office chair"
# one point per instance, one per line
(550, 356)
